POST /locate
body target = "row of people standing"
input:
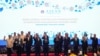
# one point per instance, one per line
(65, 41)
(20, 42)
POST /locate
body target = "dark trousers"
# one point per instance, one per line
(56, 54)
(46, 54)
(37, 54)
(60, 48)
(57, 50)
(19, 51)
(9, 51)
(66, 50)
(76, 51)
(45, 50)
(84, 50)
(37, 51)
(15, 48)
(94, 49)
(23, 48)
(28, 50)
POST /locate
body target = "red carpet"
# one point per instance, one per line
(50, 54)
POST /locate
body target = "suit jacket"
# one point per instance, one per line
(94, 41)
(84, 44)
(45, 41)
(56, 43)
(61, 40)
(37, 42)
(15, 43)
(75, 42)
(19, 42)
(28, 41)
(66, 41)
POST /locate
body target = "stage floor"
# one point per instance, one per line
(50, 54)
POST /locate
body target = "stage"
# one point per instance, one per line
(50, 54)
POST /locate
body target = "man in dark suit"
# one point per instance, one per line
(94, 43)
(37, 44)
(66, 44)
(28, 41)
(45, 44)
(75, 44)
(14, 44)
(56, 45)
(19, 45)
(60, 41)
(84, 45)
